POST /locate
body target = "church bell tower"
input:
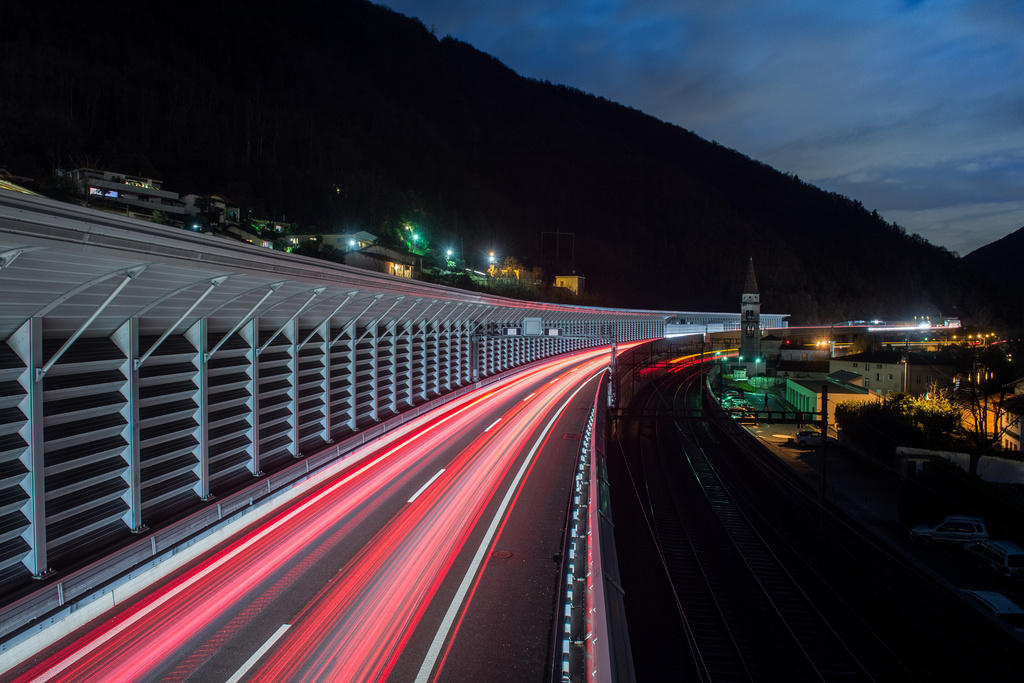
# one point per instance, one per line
(750, 318)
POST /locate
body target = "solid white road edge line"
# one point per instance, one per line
(453, 609)
(251, 662)
(424, 487)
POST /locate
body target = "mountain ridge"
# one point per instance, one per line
(349, 115)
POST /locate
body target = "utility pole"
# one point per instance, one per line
(821, 465)
(906, 365)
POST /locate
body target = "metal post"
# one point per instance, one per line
(292, 334)
(126, 338)
(822, 480)
(325, 382)
(251, 334)
(374, 369)
(198, 336)
(27, 343)
(353, 408)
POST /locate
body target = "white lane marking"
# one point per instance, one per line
(251, 662)
(554, 380)
(492, 424)
(424, 487)
(529, 397)
(430, 660)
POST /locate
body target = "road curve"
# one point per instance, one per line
(368, 572)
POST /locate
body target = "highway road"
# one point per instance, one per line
(396, 568)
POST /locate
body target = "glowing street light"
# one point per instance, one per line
(490, 257)
(448, 253)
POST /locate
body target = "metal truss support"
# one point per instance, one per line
(126, 338)
(129, 275)
(27, 343)
(214, 283)
(245, 318)
(270, 340)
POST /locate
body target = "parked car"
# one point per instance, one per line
(1002, 557)
(807, 438)
(953, 529)
(996, 603)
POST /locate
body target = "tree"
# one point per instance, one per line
(985, 378)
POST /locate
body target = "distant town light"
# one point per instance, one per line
(449, 253)
(351, 243)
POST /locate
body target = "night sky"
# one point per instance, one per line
(913, 107)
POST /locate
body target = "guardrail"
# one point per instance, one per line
(55, 600)
(593, 642)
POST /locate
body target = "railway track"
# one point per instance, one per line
(758, 596)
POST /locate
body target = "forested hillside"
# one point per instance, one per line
(1001, 261)
(344, 115)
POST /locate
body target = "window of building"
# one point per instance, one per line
(854, 365)
(878, 366)
(878, 376)
(890, 375)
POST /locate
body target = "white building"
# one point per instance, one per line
(136, 196)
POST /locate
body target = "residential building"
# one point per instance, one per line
(134, 195)
(804, 352)
(574, 283)
(1010, 422)
(885, 371)
(345, 241)
(806, 395)
(802, 369)
(213, 209)
(384, 260)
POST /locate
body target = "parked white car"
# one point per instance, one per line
(953, 529)
(807, 438)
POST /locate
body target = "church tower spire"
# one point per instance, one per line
(750, 317)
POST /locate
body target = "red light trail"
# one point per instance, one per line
(357, 625)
